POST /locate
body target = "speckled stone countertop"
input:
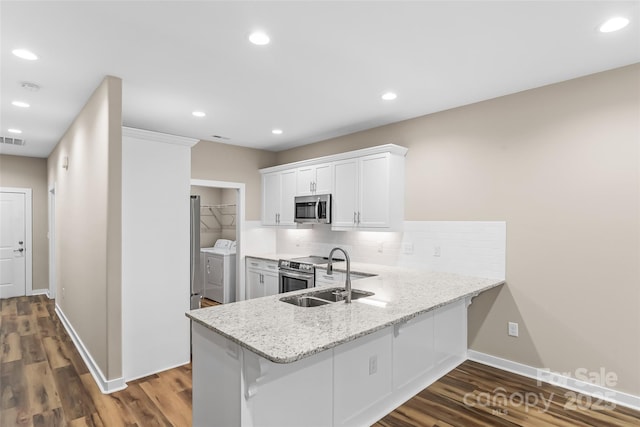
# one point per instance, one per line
(285, 333)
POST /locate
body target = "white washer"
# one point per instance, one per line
(219, 265)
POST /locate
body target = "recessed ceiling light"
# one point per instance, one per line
(25, 54)
(14, 131)
(20, 104)
(389, 96)
(259, 38)
(277, 131)
(198, 114)
(614, 24)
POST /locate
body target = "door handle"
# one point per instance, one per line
(19, 250)
(21, 242)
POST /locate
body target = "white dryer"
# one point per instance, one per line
(219, 265)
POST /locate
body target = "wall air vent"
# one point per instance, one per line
(12, 141)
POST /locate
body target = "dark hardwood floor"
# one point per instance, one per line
(45, 383)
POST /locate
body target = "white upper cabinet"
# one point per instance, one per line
(278, 192)
(367, 188)
(374, 208)
(345, 196)
(315, 179)
(369, 192)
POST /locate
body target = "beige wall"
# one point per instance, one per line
(88, 225)
(210, 230)
(222, 162)
(561, 165)
(31, 172)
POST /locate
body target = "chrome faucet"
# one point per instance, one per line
(347, 283)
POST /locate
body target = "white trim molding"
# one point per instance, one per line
(386, 148)
(28, 234)
(105, 386)
(599, 392)
(148, 135)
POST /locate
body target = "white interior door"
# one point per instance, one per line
(12, 245)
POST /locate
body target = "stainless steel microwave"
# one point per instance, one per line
(313, 209)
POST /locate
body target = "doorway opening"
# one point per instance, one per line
(222, 217)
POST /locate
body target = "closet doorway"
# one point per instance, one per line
(221, 221)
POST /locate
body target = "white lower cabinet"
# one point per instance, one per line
(362, 377)
(353, 384)
(324, 279)
(413, 349)
(450, 333)
(261, 278)
(303, 389)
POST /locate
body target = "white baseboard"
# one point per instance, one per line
(106, 386)
(39, 292)
(594, 390)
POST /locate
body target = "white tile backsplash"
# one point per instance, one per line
(476, 248)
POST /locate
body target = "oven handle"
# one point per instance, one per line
(289, 273)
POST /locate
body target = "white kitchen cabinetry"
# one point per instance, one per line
(336, 278)
(315, 179)
(324, 279)
(362, 376)
(367, 188)
(354, 384)
(368, 192)
(413, 349)
(278, 193)
(261, 278)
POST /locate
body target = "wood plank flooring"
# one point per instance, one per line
(45, 383)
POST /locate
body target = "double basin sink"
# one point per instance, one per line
(324, 297)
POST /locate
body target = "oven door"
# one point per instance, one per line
(294, 280)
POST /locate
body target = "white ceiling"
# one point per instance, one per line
(321, 76)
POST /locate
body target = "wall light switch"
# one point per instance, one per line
(373, 364)
(513, 329)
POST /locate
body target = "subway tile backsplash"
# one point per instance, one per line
(476, 248)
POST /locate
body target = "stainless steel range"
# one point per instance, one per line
(299, 273)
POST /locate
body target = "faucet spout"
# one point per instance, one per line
(347, 282)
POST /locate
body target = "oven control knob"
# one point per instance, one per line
(306, 267)
(284, 263)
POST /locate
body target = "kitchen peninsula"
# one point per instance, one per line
(264, 362)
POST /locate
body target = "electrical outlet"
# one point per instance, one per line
(407, 248)
(63, 292)
(373, 364)
(513, 329)
(380, 247)
(436, 251)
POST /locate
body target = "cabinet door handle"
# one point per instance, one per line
(310, 187)
(354, 218)
(313, 187)
(255, 264)
(358, 217)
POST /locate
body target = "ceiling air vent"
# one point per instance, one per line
(12, 141)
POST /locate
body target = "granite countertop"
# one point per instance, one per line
(284, 333)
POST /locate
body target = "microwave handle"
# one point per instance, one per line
(317, 210)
